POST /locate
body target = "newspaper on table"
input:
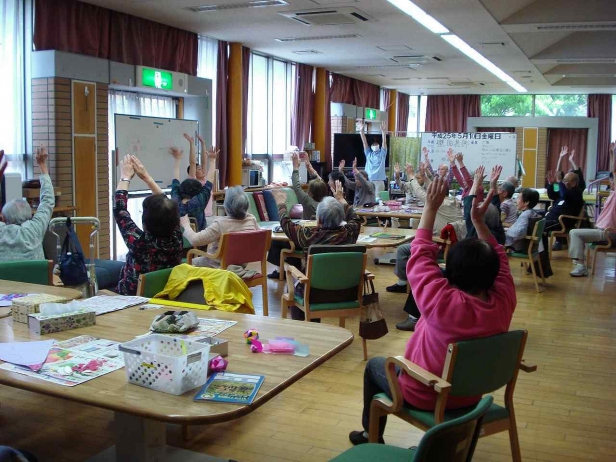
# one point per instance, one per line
(75, 361)
(207, 328)
(102, 304)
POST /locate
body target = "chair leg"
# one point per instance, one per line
(532, 267)
(550, 245)
(594, 262)
(264, 289)
(541, 273)
(341, 322)
(185, 433)
(284, 308)
(514, 441)
(365, 347)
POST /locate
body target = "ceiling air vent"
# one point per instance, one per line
(322, 37)
(410, 59)
(328, 17)
(576, 27)
(237, 6)
(307, 52)
(586, 60)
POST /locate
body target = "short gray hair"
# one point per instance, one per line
(492, 217)
(16, 212)
(236, 203)
(330, 213)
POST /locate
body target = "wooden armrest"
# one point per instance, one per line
(192, 253)
(528, 367)
(419, 373)
(292, 271)
(570, 217)
(368, 276)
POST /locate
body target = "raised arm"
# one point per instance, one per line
(426, 155)
(362, 135)
(211, 155)
(477, 187)
(192, 158)
(204, 151)
(207, 236)
(572, 160)
(39, 222)
(302, 197)
(142, 173)
(551, 177)
(311, 171)
(563, 153)
(384, 134)
(129, 230)
(177, 158)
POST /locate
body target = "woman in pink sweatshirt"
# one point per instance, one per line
(474, 298)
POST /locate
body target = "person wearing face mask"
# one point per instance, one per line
(375, 158)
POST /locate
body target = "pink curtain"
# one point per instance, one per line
(352, 91)
(342, 89)
(386, 101)
(402, 117)
(301, 117)
(575, 139)
(600, 106)
(245, 76)
(449, 113)
(76, 27)
(328, 122)
(222, 76)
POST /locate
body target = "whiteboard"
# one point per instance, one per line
(149, 138)
(479, 148)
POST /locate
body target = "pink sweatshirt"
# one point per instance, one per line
(449, 315)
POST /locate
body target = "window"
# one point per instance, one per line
(207, 65)
(561, 105)
(506, 105)
(413, 123)
(12, 78)
(423, 102)
(271, 92)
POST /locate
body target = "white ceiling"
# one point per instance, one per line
(508, 32)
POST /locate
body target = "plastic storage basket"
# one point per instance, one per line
(165, 363)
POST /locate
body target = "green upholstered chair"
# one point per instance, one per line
(152, 283)
(472, 368)
(451, 441)
(333, 283)
(31, 271)
(531, 255)
(605, 246)
(384, 195)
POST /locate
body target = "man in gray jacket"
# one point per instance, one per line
(21, 233)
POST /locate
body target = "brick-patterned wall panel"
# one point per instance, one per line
(102, 102)
(60, 125)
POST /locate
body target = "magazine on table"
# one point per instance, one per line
(226, 387)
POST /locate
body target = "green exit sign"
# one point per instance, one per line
(370, 114)
(157, 79)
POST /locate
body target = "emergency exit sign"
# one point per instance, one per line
(157, 79)
(370, 114)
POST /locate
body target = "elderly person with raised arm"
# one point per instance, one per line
(443, 171)
(364, 189)
(237, 219)
(337, 224)
(604, 226)
(568, 200)
(21, 233)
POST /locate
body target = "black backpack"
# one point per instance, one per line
(73, 271)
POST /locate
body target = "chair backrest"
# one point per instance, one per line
(537, 233)
(244, 247)
(30, 271)
(336, 273)
(384, 195)
(454, 440)
(479, 366)
(152, 283)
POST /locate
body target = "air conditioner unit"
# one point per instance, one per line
(328, 16)
(160, 79)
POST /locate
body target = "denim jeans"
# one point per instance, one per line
(375, 382)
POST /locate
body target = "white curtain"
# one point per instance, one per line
(207, 65)
(12, 130)
(126, 102)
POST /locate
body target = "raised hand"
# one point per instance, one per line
(451, 156)
(425, 153)
(176, 153)
(341, 166)
(397, 169)
(436, 193)
(295, 160)
(139, 168)
(478, 211)
(126, 167)
(496, 171)
(383, 126)
(572, 156)
(41, 158)
(551, 177)
(200, 140)
(355, 164)
(563, 151)
(410, 171)
(479, 175)
(338, 192)
(189, 138)
(359, 125)
(460, 157)
(212, 154)
(422, 169)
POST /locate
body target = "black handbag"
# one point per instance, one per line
(372, 324)
(73, 271)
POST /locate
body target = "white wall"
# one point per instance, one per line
(591, 123)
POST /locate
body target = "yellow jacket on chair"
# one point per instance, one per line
(223, 290)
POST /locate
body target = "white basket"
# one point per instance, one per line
(165, 363)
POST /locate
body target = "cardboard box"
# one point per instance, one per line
(29, 304)
(40, 324)
(217, 345)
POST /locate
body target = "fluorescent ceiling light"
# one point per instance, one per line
(465, 48)
(420, 16)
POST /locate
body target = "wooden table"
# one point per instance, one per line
(413, 212)
(12, 287)
(141, 413)
(406, 235)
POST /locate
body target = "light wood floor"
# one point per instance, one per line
(565, 410)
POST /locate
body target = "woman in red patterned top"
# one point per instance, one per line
(159, 244)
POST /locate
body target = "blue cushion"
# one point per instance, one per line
(270, 205)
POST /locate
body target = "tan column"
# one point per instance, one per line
(234, 116)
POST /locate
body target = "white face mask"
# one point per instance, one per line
(375, 147)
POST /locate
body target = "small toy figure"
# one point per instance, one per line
(250, 335)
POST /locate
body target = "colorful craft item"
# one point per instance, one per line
(279, 347)
(250, 335)
(218, 364)
(256, 346)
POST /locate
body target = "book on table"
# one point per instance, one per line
(226, 387)
(383, 235)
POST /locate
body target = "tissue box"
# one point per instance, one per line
(24, 306)
(217, 345)
(41, 324)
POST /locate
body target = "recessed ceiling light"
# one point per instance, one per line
(236, 6)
